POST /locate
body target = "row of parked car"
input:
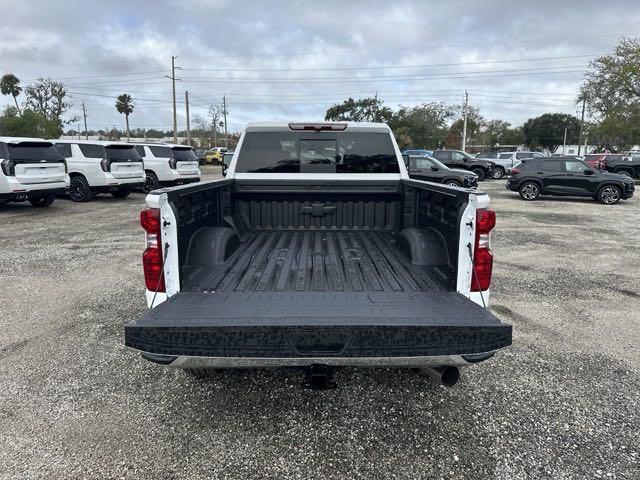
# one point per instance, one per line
(607, 178)
(38, 170)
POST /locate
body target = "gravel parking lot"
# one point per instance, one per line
(562, 402)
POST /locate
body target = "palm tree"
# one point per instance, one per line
(124, 104)
(10, 85)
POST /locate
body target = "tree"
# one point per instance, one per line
(475, 122)
(611, 88)
(215, 114)
(612, 82)
(10, 85)
(124, 105)
(49, 98)
(422, 126)
(28, 124)
(548, 130)
(512, 136)
(361, 110)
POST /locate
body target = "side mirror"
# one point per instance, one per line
(588, 171)
(434, 168)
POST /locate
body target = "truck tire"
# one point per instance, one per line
(479, 173)
(529, 191)
(609, 194)
(41, 201)
(123, 193)
(150, 182)
(79, 189)
(497, 173)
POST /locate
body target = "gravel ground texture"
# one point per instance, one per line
(562, 402)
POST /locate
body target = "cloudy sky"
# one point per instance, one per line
(291, 60)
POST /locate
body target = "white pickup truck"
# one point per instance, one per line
(31, 169)
(318, 251)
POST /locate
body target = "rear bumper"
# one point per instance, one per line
(269, 346)
(184, 361)
(24, 196)
(511, 185)
(118, 186)
(180, 181)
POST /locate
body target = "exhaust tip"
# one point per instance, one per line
(450, 376)
(447, 376)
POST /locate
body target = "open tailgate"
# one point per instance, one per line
(312, 324)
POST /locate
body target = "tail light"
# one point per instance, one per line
(482, 256)
(515, 171)
(105, 164)
(8, 167)
(173, 163)
(152, 256)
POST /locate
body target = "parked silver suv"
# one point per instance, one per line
(506, 160)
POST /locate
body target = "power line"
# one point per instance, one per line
(385, 67)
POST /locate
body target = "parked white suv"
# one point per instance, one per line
(168, 165)
(101, 167)
(31, 169)
(505, 161)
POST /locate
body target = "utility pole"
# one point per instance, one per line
(84, 113)
(564, 143)
(464, 125)
(173, 83)
(584, 103)
(224, 112)
(186, 102)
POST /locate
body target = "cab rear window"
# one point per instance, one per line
(317, 152)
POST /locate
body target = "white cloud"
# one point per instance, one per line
(126, 47)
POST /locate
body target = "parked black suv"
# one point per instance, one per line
(460, 159)
(431, 170)
(566, 176)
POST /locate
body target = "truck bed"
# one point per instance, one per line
(296, 294)
(318, 261)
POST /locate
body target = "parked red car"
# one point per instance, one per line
(614, 163)
(599, 160)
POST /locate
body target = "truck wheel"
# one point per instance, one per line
(124, 193)
(453, 183)
(79, 189)
(479, 173)
(41, 201)
(609, 194)
(497, 173)
(150, 182)
(529, 191)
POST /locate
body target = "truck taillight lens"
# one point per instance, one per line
(152, 256)
(482, 256)
(515, 171)
(173, 163)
